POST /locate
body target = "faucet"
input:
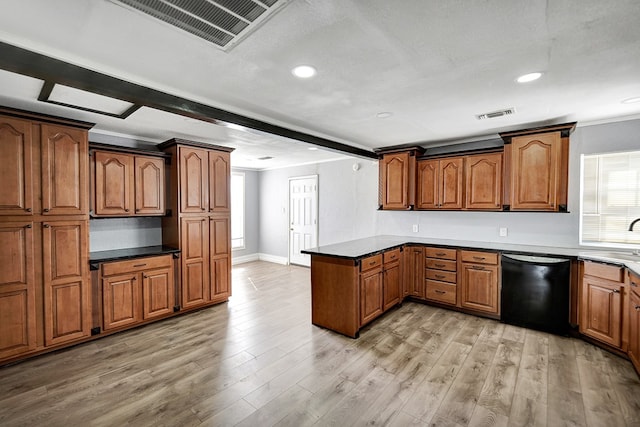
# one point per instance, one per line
(633, 223)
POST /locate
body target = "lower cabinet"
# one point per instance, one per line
(480, 281)
(633, 349)
(602, 303)
(392, 278)
(414, 272)
(371, 292)
(137, 290)
(441, 275)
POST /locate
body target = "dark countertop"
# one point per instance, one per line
(130, 253)
(361, 248)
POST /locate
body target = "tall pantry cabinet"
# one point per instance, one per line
(200, 220)
(44, 212)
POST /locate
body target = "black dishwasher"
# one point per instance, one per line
(535, 292)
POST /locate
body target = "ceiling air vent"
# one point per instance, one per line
(221, 22)
(494, 114)
(265, 158)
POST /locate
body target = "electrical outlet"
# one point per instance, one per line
(503, 231)
(415, 228)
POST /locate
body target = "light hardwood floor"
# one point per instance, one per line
(258, 361)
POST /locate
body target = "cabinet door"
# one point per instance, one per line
(480, 288)
(220, 243)
(414, 280)
(195, 261)
(149, 186)
(194, 180)
(16, 191)
(219, 181)
(450, 173)
(483, 177)
(67, 299)
(370, 296)
(634, 329)
(121, 300)
(535, 164)
(601, 310)
(391, 285)
(114, 184)
(428, 194)
(17, 289)
(394, 173)
(65, 171)
(158, 293)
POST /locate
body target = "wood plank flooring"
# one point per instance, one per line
(258, 361)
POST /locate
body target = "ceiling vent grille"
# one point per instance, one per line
(221, 22)
(494, 114)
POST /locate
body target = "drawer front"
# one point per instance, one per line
(440, 264)
(442, 276)
(604, 271)
(371, 262)
(441, 253)
(479, 257)
(441, 292)
(391, 256)
(138, 264)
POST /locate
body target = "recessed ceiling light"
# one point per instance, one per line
(526, 78)
(633, 100)
(304, 71)
(384, 114)
(312, 148)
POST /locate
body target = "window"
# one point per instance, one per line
(610, 199)
(237, 210)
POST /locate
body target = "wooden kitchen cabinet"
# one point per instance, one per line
(392, 278)
(441, 275)
(219, 181)
(633, 349)
(126, 184)
(65, 170)
(537, 168)
(18, 326)
(414, 272)
(16, 192)
(397, 174)
(480, 278)
(440, 183)
(194, 180)
(371, 289)
(137, 290)
(220, 269)
(195, 261)
(483, 181)
(602, 303)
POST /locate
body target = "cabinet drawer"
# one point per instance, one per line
(479, 257)
(441, 253)
(443, 276)
(442, 292)
(138, 264)
(440, 264)
(391, 256)
(371, 262)
(604, 271)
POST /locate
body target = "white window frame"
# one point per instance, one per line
(234, 219)
(623, 238)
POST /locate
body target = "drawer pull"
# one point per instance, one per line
(45, 210)
(139, 265)
(634, 284)
(133, 279)
(481, 258)
(46, 225)
(438, 291)
(439, 265)
(372, 262)
(477, 267)
(616, 291)
(28, 226)
(28, 209)
(637, 307)
(145, 276)
(392, 256)
(440, 276)
(440, 254)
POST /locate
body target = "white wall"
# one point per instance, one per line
(348, 202)
(251, 214)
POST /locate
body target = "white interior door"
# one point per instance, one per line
(303, 218)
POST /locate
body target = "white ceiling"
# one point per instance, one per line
(434, 65)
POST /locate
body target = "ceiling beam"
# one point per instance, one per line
(22, 61)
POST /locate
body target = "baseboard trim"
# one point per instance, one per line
(274, 258)
(244, 258)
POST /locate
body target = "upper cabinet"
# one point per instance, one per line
(537, 167)
(127, 184)
(15, 150)
(483, 181)
(440, 183)
(398, 179)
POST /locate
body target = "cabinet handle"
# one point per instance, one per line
(126, 210)
(440, 254)
(203, 209)
(372, 262)
(137, 210)
(145, 276)
(439, 276)
(140, 265)
(28, 209)
(45, 210)
(134, 279)
(28, 226)
(477, 267)
(637, 307)
(439, 265)
(481, 258)
(45, 225)
(634, 284)
(616, 291)
(440, 292)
